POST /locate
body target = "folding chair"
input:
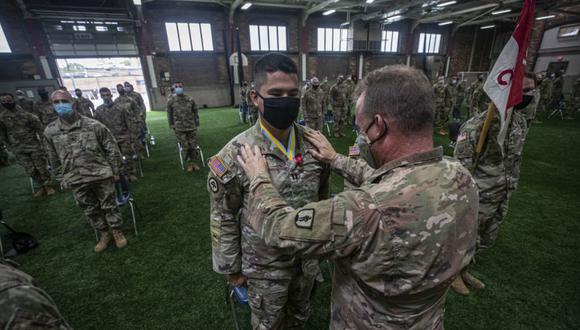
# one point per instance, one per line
(236, 295)
(558, 109)
(328, 120)
(32, 185)
(181, 156)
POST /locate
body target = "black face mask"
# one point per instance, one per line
(281, 112)
(121, 91)
(43, 96)
(526, 100)
(9, 106)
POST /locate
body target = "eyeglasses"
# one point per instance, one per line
(60, 101)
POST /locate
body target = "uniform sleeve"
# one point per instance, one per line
(353, 170)
(129, 123)
(465, 147)
(195, 112)
(141, 104)
(324, 190)
(110, 147)
(35, 124)
(225, 204)
(169, 109)
(53, 157)
(333, 228)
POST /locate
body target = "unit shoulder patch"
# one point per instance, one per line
(304, 219)
(213, 185)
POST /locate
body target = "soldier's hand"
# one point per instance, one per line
(236, 280)
(323, 150)
(252, 161)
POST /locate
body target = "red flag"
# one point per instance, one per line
(504, 83)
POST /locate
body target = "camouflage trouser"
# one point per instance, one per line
(441, 116)
(137, 134)
(35, 165)
(128, 152)
(316, 123)
(188, 141)
(490, 217)
(281, 304)
(99, 202)
(339, 113)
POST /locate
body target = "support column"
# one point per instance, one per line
(304, 51)
(360, 65)
(472, 54)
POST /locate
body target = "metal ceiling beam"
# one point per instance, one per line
(316, 8)
(233, 7)
(492, 19)
(466, 11)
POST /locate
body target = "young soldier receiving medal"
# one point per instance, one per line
(279, 288)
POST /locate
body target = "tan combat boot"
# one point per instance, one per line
(49, 191)
(337, 135)
(459, 286)
(120, 240)
(195, 167)
(189, 168)
(472, 280)
(103, 241)
(39, 193)
(132, 178)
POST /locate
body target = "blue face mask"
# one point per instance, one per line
(178, 90)
(63, 109)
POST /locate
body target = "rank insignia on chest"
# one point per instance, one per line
(353, 151)
(217, 166)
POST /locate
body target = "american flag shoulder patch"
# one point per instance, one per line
(353, 151)
(217, 166)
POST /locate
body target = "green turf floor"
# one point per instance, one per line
(164, 280)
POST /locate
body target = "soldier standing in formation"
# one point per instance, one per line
(339, 101)
(279, 287)
(496, 171)
(85, 157)
(84, 106)
(350, 86)
(135, 115)
(442, 105)
(183, 120)
(325, 88)
(396, 244)
(130, 90)
(312, 101)
(44, 109)
(546, 87)
(23, 102)
(21, 132)
(479, 99)
(116, 117)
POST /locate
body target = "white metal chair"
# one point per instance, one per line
(182, 158)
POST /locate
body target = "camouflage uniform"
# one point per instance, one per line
(339, 100)
(397, 242)
(141, 103)
(529, 112)
(253, 109)
(325, 88)
(312, 108)
(137, 118)
(117, 119)
(443, 103)
(45, 112)
(497, 170)
(576, 96)
(183, 118)
(85, 157)
(546, 94)
(279, 286)
(26, 104)
(85, 107)
(21, 132)
(350, 89)
(479, 99)
(25, 306)
(457, 95)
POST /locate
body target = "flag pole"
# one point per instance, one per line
(491, 110)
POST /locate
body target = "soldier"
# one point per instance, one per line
(44, 109)
(84, 106)
(351, 85)
(546, 93)
(23, 102)
(183, 120)
(479, 99)
(139, 100)
(400, 238)
(312, 106)
(21, 132)
(24, 305)
(530, 92)
(339, 101)
(325, 88)
(457, 94)
(115, 116)
(496, 172)
(279, 287)
(253, 108)
(85, 157)
(442, 105)
(135, 115)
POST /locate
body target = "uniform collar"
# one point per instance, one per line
(270, 148)
(433, 155)
(63, 126)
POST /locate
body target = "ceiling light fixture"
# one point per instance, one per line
(370, 1)
(345, 24)
(487, 27)
(246, 6)
(499, 12)
(445, 23)
(137, 2)
(541, 18)
(445, 4)
(329, 12)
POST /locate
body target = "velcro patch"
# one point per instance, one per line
(304, 219)
(217, 166)
(213, 185)
(353, 151)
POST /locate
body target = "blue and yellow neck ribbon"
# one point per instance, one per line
(289, 152)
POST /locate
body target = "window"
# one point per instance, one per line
(188, 37)
(334, 40)
(570, 31)
(79, 28)
(58, 27)
(267, 38)
(121, 28)
(429, 43)
(390, 42)
(4, 46)
(101, 28)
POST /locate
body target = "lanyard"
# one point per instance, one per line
(291, 151)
